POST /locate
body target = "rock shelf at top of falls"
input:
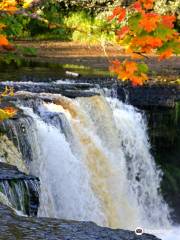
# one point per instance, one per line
(22, 228)
(158, 95)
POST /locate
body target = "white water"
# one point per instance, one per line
(104, 171)
(172, 234)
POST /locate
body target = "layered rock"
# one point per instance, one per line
(21, 190)
(16, 227)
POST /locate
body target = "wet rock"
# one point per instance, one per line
(150, 95)
(143, 96)
(68, 90)
(9, 172)
(16, 129)
(10, 154)
(21, 190)
(164, 132)
(16, 227)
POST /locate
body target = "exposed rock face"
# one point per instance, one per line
(68, 90)
(14, 130)
(148, 96)
(164, 132)
(9, 172)
(9, 154)
(20, 189)
(16, 227)
(142, 96)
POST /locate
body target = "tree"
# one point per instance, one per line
(141, 31)
(7, 7)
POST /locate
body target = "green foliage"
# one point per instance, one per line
(88, 28)
(142, 67)
(16, 25)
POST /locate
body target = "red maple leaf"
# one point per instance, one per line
(122, 15)
(118, 12)
(122, 32)
(137, 6)
(168, 20)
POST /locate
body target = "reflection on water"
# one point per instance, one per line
(42, 71)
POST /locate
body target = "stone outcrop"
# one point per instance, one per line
(21, 190)
(141, 96)
(150, 95)
(17, 227)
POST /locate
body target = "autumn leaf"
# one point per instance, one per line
(147, 4)
(7, 112)
(144, 32)
(122, 15)
(3, 41)
(130, 67)
(118, 12)
(122, 32)
(10, 111)
(128, 70)
(168, 20)
(166, 54)
(137, 6)
(8, 5)
(146, 44)
(138, 80)
(115, 65)
(149, 22)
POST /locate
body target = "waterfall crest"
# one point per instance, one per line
(93, 159)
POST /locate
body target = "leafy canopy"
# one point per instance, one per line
(142, 31)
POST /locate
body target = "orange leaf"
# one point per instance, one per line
(8, 5)
(166, 54)
(168, 20)
(10, 111)
(115, 65)
(118, 12)
(139, 80)
(149, 21)
(131, 67)
(3, 41)
(146, 44)
(147, 4)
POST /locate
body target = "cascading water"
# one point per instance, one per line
(93, 159)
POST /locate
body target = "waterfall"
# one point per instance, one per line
(93, 159)
(19, 195)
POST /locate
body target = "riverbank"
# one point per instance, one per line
(98, 57)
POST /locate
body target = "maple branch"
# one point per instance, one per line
(141, 54)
